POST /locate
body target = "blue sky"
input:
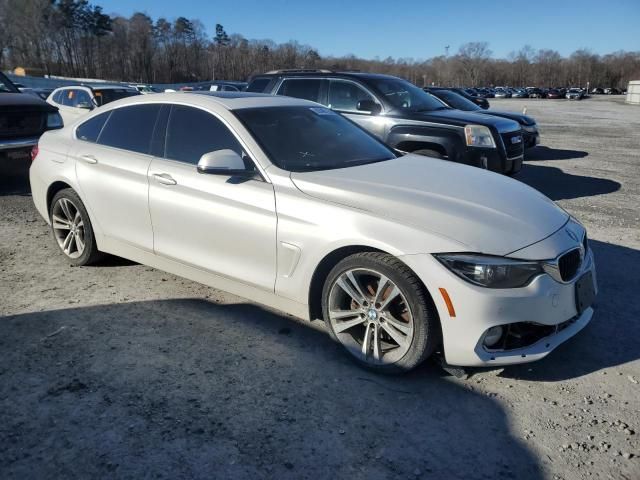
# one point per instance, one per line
(407, 28)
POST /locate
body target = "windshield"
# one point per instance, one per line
(6, 85)
(406, 96)
(455, 100)
(302, 139)
(107, 95)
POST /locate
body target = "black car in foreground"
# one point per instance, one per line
(404, 116)
(453, 99)
(23, 118)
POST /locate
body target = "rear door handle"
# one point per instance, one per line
(89, 159)
(164, 178)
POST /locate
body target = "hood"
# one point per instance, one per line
(461, 118)
(487, 212)
(517, 117)
(24, 102)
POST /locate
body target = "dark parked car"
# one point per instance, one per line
(597, 91)
(480, 101)
(23, 118)
(535, 92)
(555, 94)
(404, 116)
(454, 100)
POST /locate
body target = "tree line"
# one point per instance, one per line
(75, 38)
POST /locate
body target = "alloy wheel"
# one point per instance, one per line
(370, 316)
(68, 227)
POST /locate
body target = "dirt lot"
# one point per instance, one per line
(124, 371)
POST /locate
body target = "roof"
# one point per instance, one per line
(228, 100)
(323, 73)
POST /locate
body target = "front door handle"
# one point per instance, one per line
(164, 178)
(89, 159)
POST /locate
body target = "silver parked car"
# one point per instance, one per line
(290, 204)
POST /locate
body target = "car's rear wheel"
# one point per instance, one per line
(72, 228)
(376, 307)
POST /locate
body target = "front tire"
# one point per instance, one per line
(72, 228)
(377, 308)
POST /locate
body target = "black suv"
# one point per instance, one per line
(404, 116)
(23, 118)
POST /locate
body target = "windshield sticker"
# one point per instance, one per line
(322, 111)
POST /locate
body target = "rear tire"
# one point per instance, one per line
(429, 153)
(377, 308)
(72, 229)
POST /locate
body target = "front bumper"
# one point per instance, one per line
(531, 139)
(544, 302)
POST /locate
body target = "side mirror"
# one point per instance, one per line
(369, 106)
(223, 162)
(85, 106)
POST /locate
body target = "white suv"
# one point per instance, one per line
(76, 101)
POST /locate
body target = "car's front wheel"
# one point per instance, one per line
(72, 228)
(376, 307)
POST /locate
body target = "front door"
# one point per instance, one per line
(216, 223)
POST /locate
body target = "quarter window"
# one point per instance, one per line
(192, 132)
(90, 130)
(345, 96)
(130, 128)
(307, 89)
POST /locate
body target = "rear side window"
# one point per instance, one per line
(258, 84)
(130, 128)
(192, 132)
(307, 89)
(57, 97)
(90, 130)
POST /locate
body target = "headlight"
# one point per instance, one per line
(478, 136)
(491, 272)
(54, 120)
(530, 128)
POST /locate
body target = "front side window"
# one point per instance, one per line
(90, 130)
(344, 96)
(406, 96)
(299, 139)
(307, 89)
(192, 132)
(130, 128)
(81, 98)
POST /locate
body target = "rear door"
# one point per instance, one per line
(112, 162)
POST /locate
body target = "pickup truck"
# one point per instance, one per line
(23, 118)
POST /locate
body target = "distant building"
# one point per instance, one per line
(633, 92)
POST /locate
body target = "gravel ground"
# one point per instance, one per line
(123, 371)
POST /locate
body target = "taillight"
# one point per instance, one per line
(34, 152)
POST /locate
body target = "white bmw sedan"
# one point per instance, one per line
(291, 205)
